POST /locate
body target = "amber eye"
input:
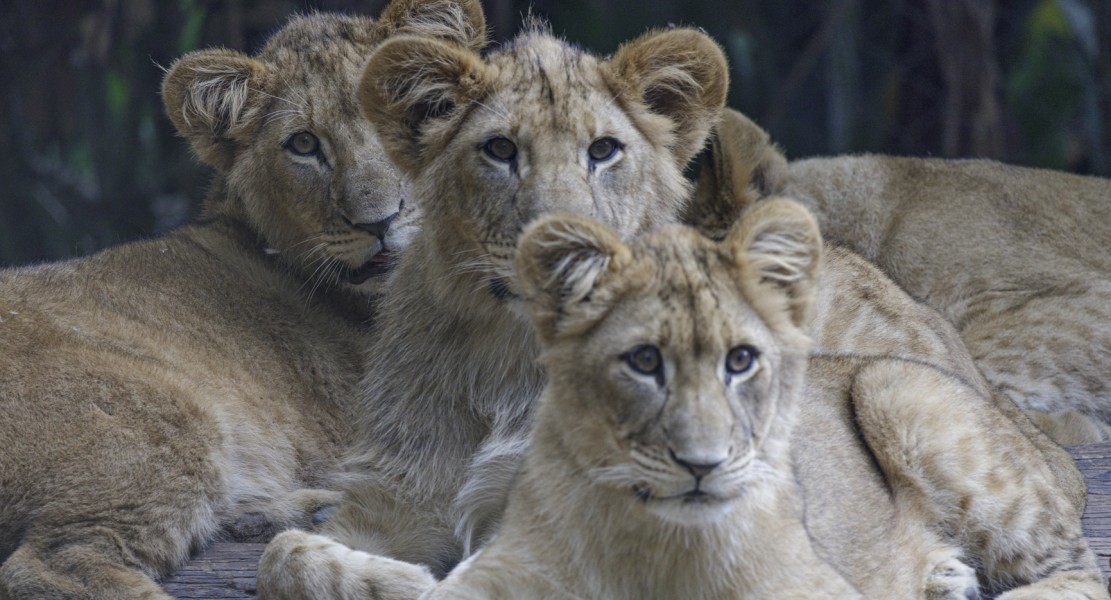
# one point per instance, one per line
(740, 359)
(303, 143)
(603, 149)
(500, 149)
(645, 359)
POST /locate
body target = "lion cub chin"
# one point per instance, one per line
(687, 447)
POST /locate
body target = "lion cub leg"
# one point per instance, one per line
(951, 456)
(299, 565)
(1059, 362)
(950, 578)
(90, 570)
(305, 508)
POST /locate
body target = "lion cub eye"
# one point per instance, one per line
(303, 143)
(500, 149)
(603, 149)
(740, 359)
(645, 360)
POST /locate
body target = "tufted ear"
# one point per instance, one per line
(411, 87)
(215, 98)
(459, 21)
(738, 166)
(681, 77)
(776, 246)
(562, 260)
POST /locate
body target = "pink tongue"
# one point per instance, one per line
(381, 257)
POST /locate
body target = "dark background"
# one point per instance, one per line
(88, 159)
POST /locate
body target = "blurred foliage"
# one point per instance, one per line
(90, 160)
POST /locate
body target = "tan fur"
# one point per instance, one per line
(1015, 257)
(160, 391)
(785, 456)
(446, 405)
(450, 389)
(861, 311)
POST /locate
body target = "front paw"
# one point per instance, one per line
(951, 579)
(314, 507)
(300, 566)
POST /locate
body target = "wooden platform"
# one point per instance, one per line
(228, 570)
(1095, 462)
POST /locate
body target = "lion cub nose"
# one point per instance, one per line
(378, 228)
(699, 467)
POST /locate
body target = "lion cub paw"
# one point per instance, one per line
(313, 507)
(951, 579)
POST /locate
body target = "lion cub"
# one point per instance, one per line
(1015, 257)
(685, 446)
(490, 142)
(162, 393)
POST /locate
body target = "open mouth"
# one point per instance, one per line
(378, 264)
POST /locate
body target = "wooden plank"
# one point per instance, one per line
(1094, 461)
(223, 570)
(227, 571)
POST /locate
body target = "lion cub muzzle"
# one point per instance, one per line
(381, 259)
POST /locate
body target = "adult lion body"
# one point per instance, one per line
(683, 448)
(1015, 257)
(160, 391)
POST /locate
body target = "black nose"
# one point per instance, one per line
(699, 470)
(378, 228)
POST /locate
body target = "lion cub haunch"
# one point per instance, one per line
(687, 446)
(859, 309)
(1016, 257)
(159, 394)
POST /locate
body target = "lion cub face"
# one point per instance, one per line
(283, 128)
(672, 360)
(539, 126)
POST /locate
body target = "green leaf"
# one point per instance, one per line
(117, 93)
(191, 31)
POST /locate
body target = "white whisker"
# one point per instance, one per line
(323, 261)
(300, 105)
(307, 254)
(499, 112)
(303, 101)
(281, 114)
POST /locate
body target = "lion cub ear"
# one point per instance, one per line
(777, 246)
(410, 89)
(215, 99)
(681, 77)
(738, 166)
(459, 21)
(562, 260)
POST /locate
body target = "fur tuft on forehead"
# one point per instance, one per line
(314, 32)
